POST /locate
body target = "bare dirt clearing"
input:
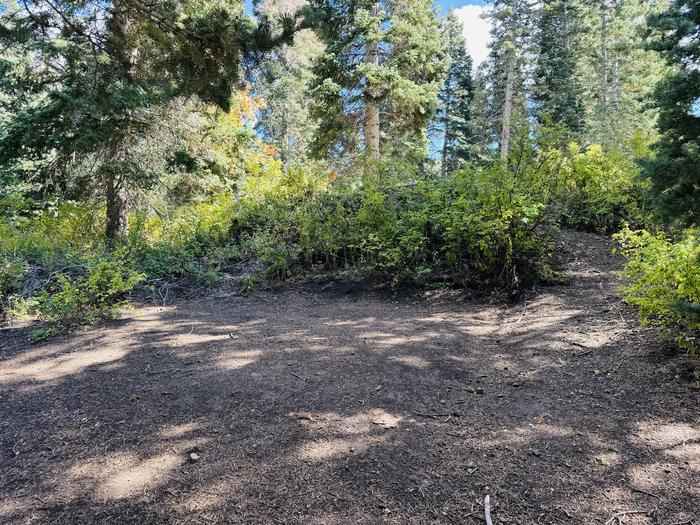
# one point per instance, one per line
(331, 407)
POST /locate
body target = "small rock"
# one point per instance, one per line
(479, 390)
(193, 457)
(471, 390)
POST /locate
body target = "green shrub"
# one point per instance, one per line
(598, 190)
(664, 277)
(88, 297)
(392, 222)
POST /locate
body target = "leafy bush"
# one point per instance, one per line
(87, 297)
(664, 279)
(598, 190)
(397, 224)
(53, 264)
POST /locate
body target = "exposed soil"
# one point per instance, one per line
(316, 406)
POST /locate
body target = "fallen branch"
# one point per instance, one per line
(645, 492)
(618, 515)
(487, 510)
(431, 416)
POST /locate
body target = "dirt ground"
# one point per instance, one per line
(326, 405)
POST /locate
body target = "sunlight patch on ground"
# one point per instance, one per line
(334, 435)
(178, 431)
(668, 435)
(411, 360)
(331, 448)
(54, 367)
(237, 360)
(124, 475)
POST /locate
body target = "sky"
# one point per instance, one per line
(476, 30)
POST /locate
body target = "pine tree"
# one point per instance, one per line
(675, 172)
(281, 80)
(511, 52)
(557, 88)
(103, 68)
(617, 73)
(456, 98)
(377, 83)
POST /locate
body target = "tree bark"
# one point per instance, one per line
(372, 127)
(117, 220)
(507, 108)
(615, 82)
(446, 131)
(603, 94)
(371, 123)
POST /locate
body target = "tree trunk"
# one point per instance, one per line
(507, 108)
(117, 219)
(371, 127)
(603, 94)
(371, 124)
(446, 132)
(615, 81)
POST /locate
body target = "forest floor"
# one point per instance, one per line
(327, 405)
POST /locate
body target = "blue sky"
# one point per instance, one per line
(459, 3)
(476, 29)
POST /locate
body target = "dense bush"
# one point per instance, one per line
(489, 227)
(84, 298)
(395, 223)
(54, 264)
(664, 277)
(598, 190)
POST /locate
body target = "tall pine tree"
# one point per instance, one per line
(281, 80)
(557, 90)
(617, 73)
(511, 53)
(675, 171)
(456, 98)
(377, 83)
(101, 70)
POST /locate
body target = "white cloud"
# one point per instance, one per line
(476, 31)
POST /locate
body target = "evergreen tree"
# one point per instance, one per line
(101, 71)
(511, 53)
(377, 83)
(456, 98)
(281, 79)
(675, 172)
(617, 74)
(557, 88)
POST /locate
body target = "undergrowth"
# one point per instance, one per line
(486, 227)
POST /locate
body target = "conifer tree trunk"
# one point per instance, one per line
(446, 135)
(117, 219)
(603, 96)
(371, 127)
(507, 108)
(371, 124)
(615, 81)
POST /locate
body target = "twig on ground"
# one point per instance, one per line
(431, 416)
(487, 510)
(618, 515)
(298, 376)
(616, 367)
(645, 492)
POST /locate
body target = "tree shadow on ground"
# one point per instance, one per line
(309, 408)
